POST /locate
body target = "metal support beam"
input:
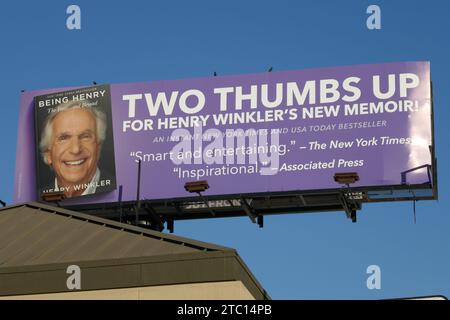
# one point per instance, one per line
(155, 220)
(349, 208)
(178, 208)
(207, 204)
(302, 199)
(249, 210)
(231, 203)
(261, 221)
(170, 225)
(138, 200)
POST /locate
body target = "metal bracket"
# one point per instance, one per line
(249, 210)
(170, 225)
(156, 221)
(207, 204)
(349, 208)
(403, 174)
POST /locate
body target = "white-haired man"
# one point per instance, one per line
(70, 144)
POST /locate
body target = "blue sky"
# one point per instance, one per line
(298, 256)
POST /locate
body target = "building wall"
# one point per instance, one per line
(228, 290)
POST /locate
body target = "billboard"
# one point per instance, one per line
(261, 133)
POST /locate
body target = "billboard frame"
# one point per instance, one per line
(291, 201)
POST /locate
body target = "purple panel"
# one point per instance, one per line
(393, 141)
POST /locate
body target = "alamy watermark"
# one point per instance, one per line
(374, 280)
(74, 280)
(237, 150)
(73, 21)
(374, 20)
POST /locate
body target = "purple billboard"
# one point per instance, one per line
(259, 133)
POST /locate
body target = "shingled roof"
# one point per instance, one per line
(38, 242)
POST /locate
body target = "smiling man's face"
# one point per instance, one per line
(74, 149)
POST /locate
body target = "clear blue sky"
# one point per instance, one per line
(298, 256)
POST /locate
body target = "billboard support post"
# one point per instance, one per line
(348, 178)
(260, 221)
(206, 203)
(170, 225)
(138, 199)
(199, 187)
(120, 204)
(248, 210)
(156, 222)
